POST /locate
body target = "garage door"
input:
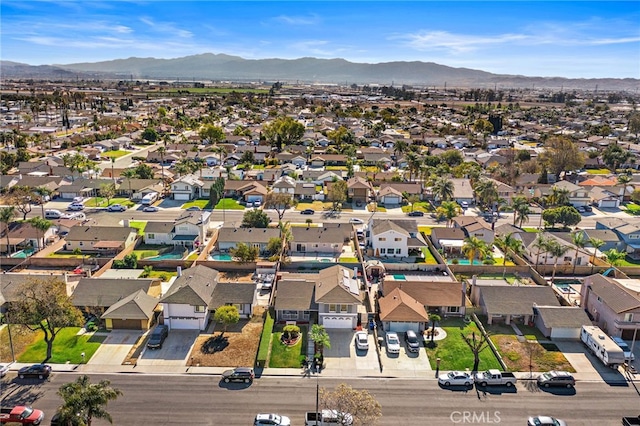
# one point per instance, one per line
(391, 199)
(401, 327)
(609, 204)
(337, 322)
(184, 324)
(628, 335)
(122, 324)
(254, 198)
(181, 197)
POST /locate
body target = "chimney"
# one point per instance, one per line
(179, 271)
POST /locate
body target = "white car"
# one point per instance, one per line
(150, 209)
(356, 221)
(271, 419)
(455, 378)
(545, 421)
(4, 369)
(75, 207)
(116, 208)
(362, 340)
(393, 342)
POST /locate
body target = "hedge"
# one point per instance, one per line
(265, 340)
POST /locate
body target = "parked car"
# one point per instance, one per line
(271, 419)
(78, 199)
(41, 371)
(588, 209)
(556, 378)
(4, 369)
(362, 340)
(76, 207)
(193, 209)
(356, 221)
(455, 378)
(393, 342)
(150, 209)
(158, 335)
(581, 209)
(415, 214)
(116, 208)
(257, 204)
(413, 343)
(307, 211)
(53, 214)
(625, 348)
(240, 374)
(545, 421)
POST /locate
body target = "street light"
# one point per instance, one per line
(317, 391)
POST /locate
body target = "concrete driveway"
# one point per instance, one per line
(115, 347)
(586, 364)
(416, 364)
(175, 349)
(344, 356)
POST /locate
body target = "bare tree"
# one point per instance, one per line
(476, 345)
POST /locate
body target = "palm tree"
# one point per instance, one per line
(434, 319)
(449, 210)
(113, 174)
(579, 240)
(624, 179)
(6, 216)
(542, 246)
(320, 339)
(399, 148)
(443, 189)
(558, 196)
(614, 257)
(487, 192)
(596, 243)
(129, 174)
(42, 225)
(86, 400)
(507, 243)
(556, 250)
(474, 246)
(162, 151)
(41, 195)
(521, 210)
(413, 163)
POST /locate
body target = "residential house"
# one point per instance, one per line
(136, 189)
(395, 238)
(629, 233)
(605, 198)
(450, 240)
(189, 230)
(578, 196)
(241, 295)
(230, 237)
(327, 239)
(284, 185)
(12, 283)
(535, 255)
(560, 322)
(358, 190)
(307, 192)
(462, 191)
(437, 293)
(475, 227)
(613, 304)
(610, 238)
(400, 312)
(23, 235)
(319, 177)
(100, 239)
(295, 299)
(188, 187)
(389, 196)
(404, 188)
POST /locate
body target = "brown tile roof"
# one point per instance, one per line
(428, 293)
(399, 306)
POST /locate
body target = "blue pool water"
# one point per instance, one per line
(22, 254)
(465, 262)
(171, 255)
(223, 257)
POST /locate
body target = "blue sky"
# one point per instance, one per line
(588, 39)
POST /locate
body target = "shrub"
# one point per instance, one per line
(265, 340)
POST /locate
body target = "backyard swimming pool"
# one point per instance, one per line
(171, 255)
(22, 254)
(464, 262)
(222, 257)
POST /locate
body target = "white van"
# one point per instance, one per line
(53, 214)
(149, 199)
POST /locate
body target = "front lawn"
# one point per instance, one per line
(102, 202)
(370, 207)
(453, 350)
(163, 275)
(283, 356)
(113, 154)
(228, 204)
(632, 209)
(67, 346)
(203, 204)
(421, 206)
(598, 171)
(315, 205)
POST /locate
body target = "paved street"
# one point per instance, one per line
(203, 400)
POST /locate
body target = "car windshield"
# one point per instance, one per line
(27, 412)
(362, 337)
(393, 339)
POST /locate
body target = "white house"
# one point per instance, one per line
(284, 185)
(188, 187)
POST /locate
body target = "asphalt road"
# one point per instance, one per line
(203, 400)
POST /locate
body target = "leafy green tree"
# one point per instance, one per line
(337, 194)
(244, 253)
(614, 257)
(226, 315)
(614, 156)
(452, 157)
(561, 155)
(6, 217)
(320, 338)
(20, 198)
(283, 131)
(45, 306)
(484, 126)
(274, 246)
(150, 134)
(566, 216)
(83, 401)
(143, 171)
(216, 191)
(280, 202)
(108, 191)
(255, 219)
(213, 134)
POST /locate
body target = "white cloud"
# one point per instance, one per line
(166, 27)
(456, 43)
(298, 20)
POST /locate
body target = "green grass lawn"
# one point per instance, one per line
(421, 206)
(429, 259)
(163, 275)
(530, 229)
(139, 225)
(113, 154)
(228, 204)
(102, 202)
(144, 251)
(66, 347)
(598, 171)
(530, 333)
(203, 204)
(454, 352)
(68, 256)
(283, 356)
(627, 261)
(632, 209)
(348, 259)
(258, 167)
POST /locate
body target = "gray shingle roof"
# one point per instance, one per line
(254, 235)
(615, 296)
(563, 316)
(104, 292)
(194, 287)
(224, 293)
(295, 295)
(517, 300)
(98, 233)
(136, 306)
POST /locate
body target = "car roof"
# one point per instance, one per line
(243, 369)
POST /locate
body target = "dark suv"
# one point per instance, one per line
(240, 374)
(556, 378)
(157, 337)
(413, 344)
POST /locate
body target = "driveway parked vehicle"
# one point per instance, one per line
(75, 207)
(271, 419)
(307, 211)
(362, 340)
(40, 371)
(556, 378)
(412, 341)
(393, 342)
(455, 378)
(116, 208)
(240, 374)
(545, 421)
(158, 336)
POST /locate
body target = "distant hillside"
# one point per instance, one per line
(10, 69)
(225, 67)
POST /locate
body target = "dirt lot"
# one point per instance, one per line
(516, 355)
(238, 348)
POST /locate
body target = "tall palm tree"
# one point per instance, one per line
(87, 400)
(449, 210)
(6, 216)
(113, 163)
(129, 174)
(541, 244)
(508, 244)
(558, 196)
(474, 247)
(162, 150)
(41, 196)
(596, 243)
(413, 163)
(521, 210)
(614, 257)
(579, 240)
(41, 225)
(556, 250)
(487, 192)
(443, 189)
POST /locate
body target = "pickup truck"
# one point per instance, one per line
(495, 377)
(328, 418)
(20, 414)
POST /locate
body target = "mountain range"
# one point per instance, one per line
(210, 66)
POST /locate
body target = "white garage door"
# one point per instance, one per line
(609, 204)
(184, 324)
(337, 322)
(181, 197)
(391, 199)
(401, 327)
(254, 198)
(565, 333)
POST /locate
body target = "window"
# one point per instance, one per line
(80, 243)
(199, 308)
(344, 308)
(567, 258)
(305, 315)
(397, 239)
(398, 251)
(289, 315)
(332, 307)
(628, 317)
(151, 236)
(383, 251)
(382, 239)
(453, 309)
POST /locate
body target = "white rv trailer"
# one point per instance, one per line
(602, 346)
